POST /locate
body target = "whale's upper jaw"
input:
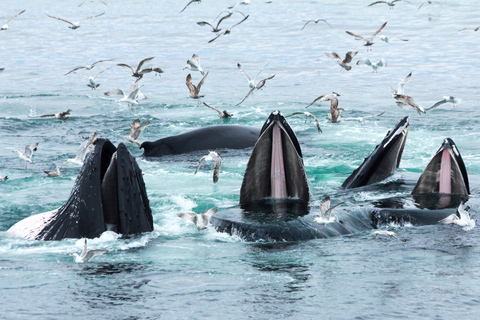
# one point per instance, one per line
(445, 173)
(275, 168)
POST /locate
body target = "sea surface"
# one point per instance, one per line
(176, 272)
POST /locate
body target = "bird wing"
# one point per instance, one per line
(187, 216)
(382, 63)
(318, 98)
(379, 29)
(187, 5)
(349, 56)
(262, 82)
(135, 124)
(133, 94)
(202, 23)
(364, 61)
(329, 211)
(73, 70)
(191, 87)
(114, 92)
(219, 112)
(61, 19)
(84, 251)
(92, 143)
(218, 35)
(224, 18)
(236, 24)
(199, 85)
(324, 206)
(82, 150)
(355, 35)
(200, 162)
(333, 55)
(194, 61)
(260, 71)
(15, 16)
(249, 92)
(29, 149)
(92, 253)
(421, 5)
(307, 23)
(100, 61)
(139, 130)
(98, 15)
(63, 114)
(363, 118)
(216, 170)
(449, 219)
(402, 84)
(436, 104)
(101, 72)
(463, 213)
(209, 213)
(46, 115)
(125, 65)
(142, 62)
(243, 71)
(376, 2)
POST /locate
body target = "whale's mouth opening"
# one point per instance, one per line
(109, 192)
(277, 174)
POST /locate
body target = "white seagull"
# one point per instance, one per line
(5, 26)
(200, 220)
(87, 255)
(91, 80)
(28, 153)
(325, 216)
(130, 98)
(375, 66)
(251, 82)
(446, 99)
(386, 233)
(194, 64)
(369, 41)
(316, 21)
(87, 67)
(85, 147)
(259, 85)
(212, 156)
(404, 101)
(390, 3)
(345, 62)
(461, 218)
(306, 114)
(136, 130)
(75, 25)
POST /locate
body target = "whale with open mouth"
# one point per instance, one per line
(109, 194)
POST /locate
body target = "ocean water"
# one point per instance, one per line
(176, 272)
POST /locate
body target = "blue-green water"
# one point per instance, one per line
(177, 273)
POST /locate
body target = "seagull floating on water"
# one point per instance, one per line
(194, 90)
(446, 99)
(87, 67)
(212, 156)
(216, 28)
(251, 82)
(199, 220)
(316, 21)
(307, 114)
(136, 130)
(461, 218)
(222, 115)
(194, 64)
(5, 26)
(375, 66)
(87, 255)
(137, 73)
(227, 31)
(28, 153)
(325, 216)
(404, 101)
(75, 25)
(345, 62)
(62, 116)
(386, 233)
(53, 173)
(85, 147)
(369, 41)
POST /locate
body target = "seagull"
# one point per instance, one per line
(62, 116)
(195, 90)
(259, 85)
(137, 73)
(213, 155)
(401, 85)
(83, 150)
(326, 212)
(375, 66)
(91, 80)
(200, 220)
(216, 28)
(369, 41)
(386, 39)
(474, 29)
(243, 2)
(345, 62)
(307, 114)
(91, 1)
(53, 173)
(228, 30)
(1, 70)
(5, 26)
(28, 153)
(326, 97)
(251, 82)
(130, 98)
(429, 2)
(390, 3)
(222, 115)
(404, 101)
(386, 233)
(3, 179)
(136, 130)
(191, 1)
(194, 64)
(87, 67)
(87, 255)
(360, 119)
(75, 25)
(446, 99)
(316, 21)
(461, 218)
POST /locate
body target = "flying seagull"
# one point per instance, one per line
(194, 64)
(5, 26)
(199, 220)
(390, 3)
(212, 156)
(62, 116)
(405, 101)
(91, 1)
(191, 1)
(325, 216)
(401, 85)
(446, 99)
(474, 29)
(87, 255)
(375, 66)
(194, 90)
(75, 25)
(85, 147)
(386, 233)
(136, 130)
(306, 114)
(227, 31)
(53, 173)
(216, 28)
(88, 67)
(251, 82)
(345, 62)
(429, 2)
(222, 115)
(28, 153)
(461, 218)
(137, 73)
(259, 85)
(316, 21)
(91, 80)
(130, 98)
(332, 97)
(369, 41)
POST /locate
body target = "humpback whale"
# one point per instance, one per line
(109, 194)
(211, 137)
(383, 160)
